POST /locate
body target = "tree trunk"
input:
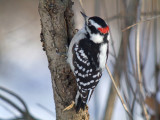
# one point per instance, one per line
(57, 30)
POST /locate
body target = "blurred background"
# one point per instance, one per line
(134, 60)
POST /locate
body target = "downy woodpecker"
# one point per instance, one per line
(87, 56)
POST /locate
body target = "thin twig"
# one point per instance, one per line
(120, 97)
(139, 70)
(133, 103)
(8, 110)
(25, 113)
(112, 41)
(11, 103)
(138, 58)
(120, 16)
(148, 19)
(16, 96)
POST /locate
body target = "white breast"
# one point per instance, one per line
(103, 55)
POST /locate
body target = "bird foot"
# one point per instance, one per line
(69, 107)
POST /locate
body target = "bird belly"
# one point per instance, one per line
(103, 56)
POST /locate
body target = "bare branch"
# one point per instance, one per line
(11, 103)
(7, 109)
(118, 93)
(139, 71)
(16, 96)
(148, 19)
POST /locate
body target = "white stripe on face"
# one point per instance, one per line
(108, 37)
(95, 24)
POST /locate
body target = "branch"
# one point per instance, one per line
(11, 103)
(16, 96)
(118, 93)
(25, 113)
(137, 45)
(7, 109)
(148, 19)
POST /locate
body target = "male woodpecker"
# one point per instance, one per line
(87, 56)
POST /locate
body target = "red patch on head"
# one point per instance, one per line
(104, 30)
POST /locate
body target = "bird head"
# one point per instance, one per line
(97, 29)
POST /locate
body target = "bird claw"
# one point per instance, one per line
(69, 107)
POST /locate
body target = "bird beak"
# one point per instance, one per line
(85, 16)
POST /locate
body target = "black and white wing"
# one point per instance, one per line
(87, 76)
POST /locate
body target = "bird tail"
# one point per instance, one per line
(81, 100)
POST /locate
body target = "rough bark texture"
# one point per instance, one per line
(57, 30)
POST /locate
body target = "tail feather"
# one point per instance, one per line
(80, 101)
(90, 94)
(80, 104)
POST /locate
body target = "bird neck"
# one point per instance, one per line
(95, 37)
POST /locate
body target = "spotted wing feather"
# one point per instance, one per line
(87, 76)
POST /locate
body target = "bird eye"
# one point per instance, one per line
(89, 23)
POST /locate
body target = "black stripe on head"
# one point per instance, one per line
(99, 21)
(105, 38)
(93, 29)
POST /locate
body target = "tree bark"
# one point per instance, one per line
(57, 31)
